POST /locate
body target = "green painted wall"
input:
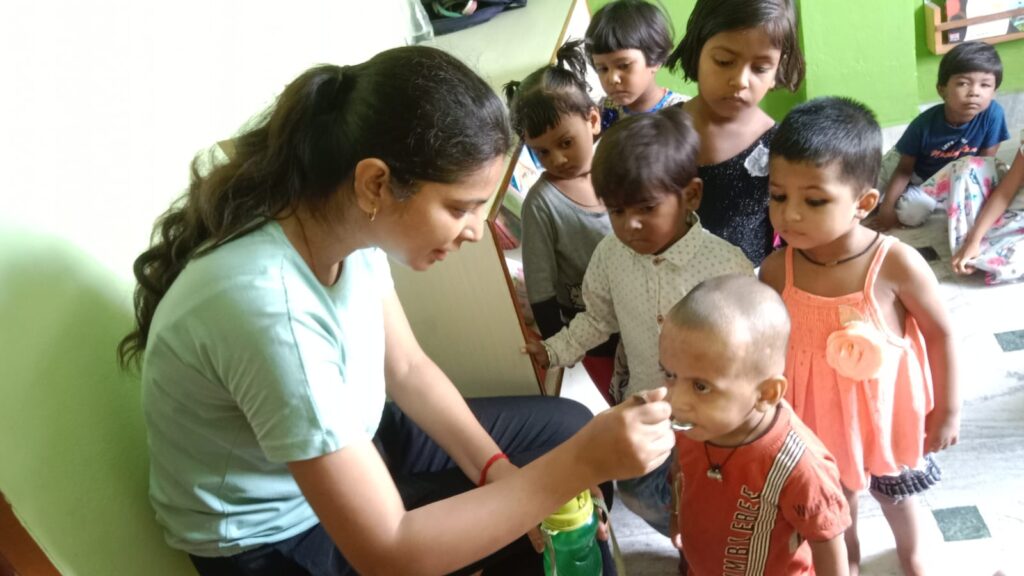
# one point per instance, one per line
(873, 50)
(864, 53)
(72, 442)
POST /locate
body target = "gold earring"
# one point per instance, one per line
(373, 214)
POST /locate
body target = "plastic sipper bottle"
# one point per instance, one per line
(571, 548)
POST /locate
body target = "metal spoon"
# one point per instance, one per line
(676, 425)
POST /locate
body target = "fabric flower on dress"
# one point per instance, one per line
(757, 162)
(855, 351)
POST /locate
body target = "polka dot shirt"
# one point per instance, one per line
(631, 293)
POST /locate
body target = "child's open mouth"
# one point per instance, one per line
(682, 426)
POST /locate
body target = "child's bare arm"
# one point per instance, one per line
(538, 352)
(588, 328)
(773, 270)
(829, 557)
(994, 207)
(896, 187)
(917, 290)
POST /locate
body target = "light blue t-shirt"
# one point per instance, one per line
(252, 363)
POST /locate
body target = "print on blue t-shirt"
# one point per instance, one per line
(934, 142)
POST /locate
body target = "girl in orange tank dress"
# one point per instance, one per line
(870, 361)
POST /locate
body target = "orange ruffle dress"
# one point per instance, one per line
(872, 425)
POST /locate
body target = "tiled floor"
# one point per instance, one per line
(973, 521)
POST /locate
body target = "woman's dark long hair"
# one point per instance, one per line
(424, 113)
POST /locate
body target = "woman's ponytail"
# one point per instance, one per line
(571, 58)
(436, 127)
(509, 90)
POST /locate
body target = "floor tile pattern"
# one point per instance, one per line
(961, 523)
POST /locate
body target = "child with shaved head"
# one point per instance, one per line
(757, 492)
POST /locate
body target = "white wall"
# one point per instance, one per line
(105, 103)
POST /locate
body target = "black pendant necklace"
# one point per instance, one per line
(715, 469)
(841, 260)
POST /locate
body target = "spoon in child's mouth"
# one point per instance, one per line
(676, 424)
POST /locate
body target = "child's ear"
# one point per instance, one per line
(867, 202)
(652, 67)
(692, 195)
(594, 119)
(771, 392)
(941, 89)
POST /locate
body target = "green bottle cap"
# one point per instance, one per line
(572, 515)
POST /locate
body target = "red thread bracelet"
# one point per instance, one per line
(490, 461)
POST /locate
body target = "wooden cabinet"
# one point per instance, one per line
(464, 310)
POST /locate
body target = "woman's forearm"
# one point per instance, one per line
(429, 398)
(352, 493)
(623, 442)
(478, 522)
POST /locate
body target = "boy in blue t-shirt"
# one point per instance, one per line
(967, 123)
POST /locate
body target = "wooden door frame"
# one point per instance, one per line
(19, 552)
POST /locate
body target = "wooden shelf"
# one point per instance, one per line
(935, 28)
